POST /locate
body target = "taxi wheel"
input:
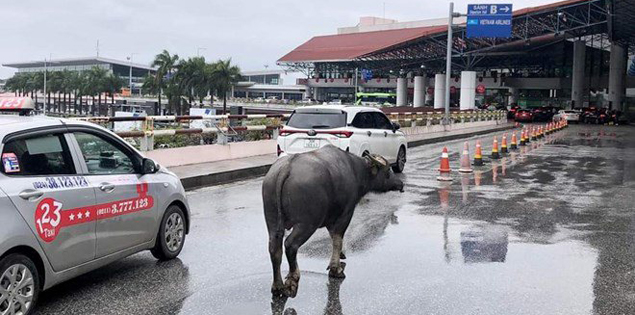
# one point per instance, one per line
(171, 236)
(19, 285)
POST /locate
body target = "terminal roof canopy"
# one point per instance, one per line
(535, 30)
(347, 47)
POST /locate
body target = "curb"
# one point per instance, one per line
(418, 143)
(206, 180)
(214, 179)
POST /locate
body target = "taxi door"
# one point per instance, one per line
(39, 176)
(127, 216)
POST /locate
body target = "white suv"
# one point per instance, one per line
(355, 129)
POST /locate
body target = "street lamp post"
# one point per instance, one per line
(45, 71)
(45, 86)
(130, 74)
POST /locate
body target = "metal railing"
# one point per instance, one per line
(436, 118)
(226, 126)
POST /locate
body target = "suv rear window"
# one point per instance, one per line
(317, 120)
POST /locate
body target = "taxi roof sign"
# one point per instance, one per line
(21, 104)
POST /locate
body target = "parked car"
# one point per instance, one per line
(357, 129)
(511, 112)
(589, 115)
(568, 115)
(75, 197)
(544, 113)
(601, 116)
(524, 115)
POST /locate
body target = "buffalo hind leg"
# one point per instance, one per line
(275, 252)
(337, 230)
(300, 234)
(336, 266)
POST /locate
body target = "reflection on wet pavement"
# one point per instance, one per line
(548, 229)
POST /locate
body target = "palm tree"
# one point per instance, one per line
(192, 78)
(113, 84)
(224, 76)
(166, 64)
(96, 78)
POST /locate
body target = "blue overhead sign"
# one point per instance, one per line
(367, 74)
(489, 20)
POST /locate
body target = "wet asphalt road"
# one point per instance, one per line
(547, 230)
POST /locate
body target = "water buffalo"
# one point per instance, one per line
(312, 190)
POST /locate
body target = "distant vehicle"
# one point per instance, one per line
(74, 197)
(335, 102)
(374, 99)
(524, 115)
(356, 129)
(600, 116)
(568, 115)
(511, 113)
(594, 115)
(544, 113)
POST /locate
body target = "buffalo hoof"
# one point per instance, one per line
(337, 272)
(291, 287)
(342, 256)
(277, 290)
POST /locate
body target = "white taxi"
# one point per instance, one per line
(75, 197)
(356, 129)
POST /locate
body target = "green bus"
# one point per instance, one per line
(376, 98)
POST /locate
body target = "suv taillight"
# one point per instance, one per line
(341, 134)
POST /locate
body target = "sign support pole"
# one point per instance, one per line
(448, 66)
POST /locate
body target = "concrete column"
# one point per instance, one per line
(468, 90)
(617, 76)
(439, 91)
(402, 91)
(579, 63)
(426, 83)
(513, 96)
(420, 91)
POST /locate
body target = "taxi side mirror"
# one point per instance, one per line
(149, 166)
(395, 127)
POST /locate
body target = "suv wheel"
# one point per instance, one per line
(399, 166)
(19, 285)
(171, 236)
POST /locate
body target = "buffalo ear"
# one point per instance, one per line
(372, 164)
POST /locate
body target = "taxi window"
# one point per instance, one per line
(43, 155)
(102, 157)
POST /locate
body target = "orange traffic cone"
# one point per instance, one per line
(514, 141)
(444, 170)
(478, 155)
(523, 137)
(466, 167)
(534, 135)
(504, 144)
(495, 154)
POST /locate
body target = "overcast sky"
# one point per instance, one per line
(253, 33)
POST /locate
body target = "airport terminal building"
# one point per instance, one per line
(570, 53)
(120, 68)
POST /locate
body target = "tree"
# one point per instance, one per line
(192, 78)
(96, 78)
(223, 76)
(166, 63)
(113, 84)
